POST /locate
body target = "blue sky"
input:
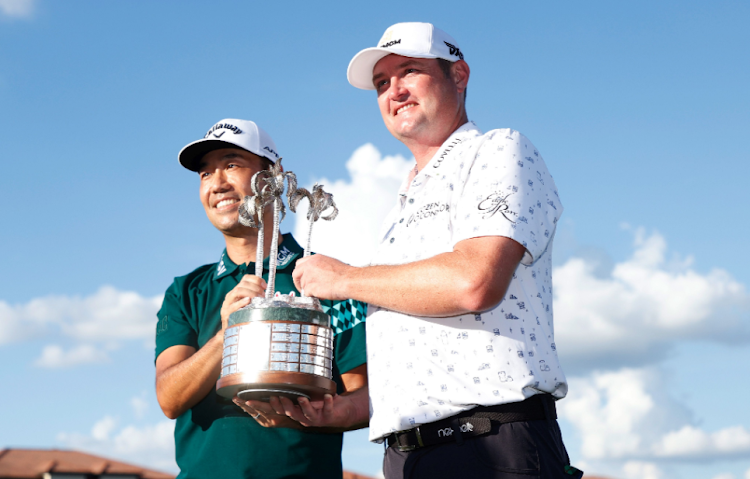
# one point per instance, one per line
(640, 109)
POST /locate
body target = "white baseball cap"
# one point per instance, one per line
(415, 40)
(229, 133)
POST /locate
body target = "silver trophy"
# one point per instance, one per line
(282, 344)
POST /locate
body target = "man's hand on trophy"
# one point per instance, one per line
(264, 414)
(346, 411)
(321, 276)
(250, 286)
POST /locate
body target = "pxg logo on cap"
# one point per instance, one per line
(229, 133)
(414, 40)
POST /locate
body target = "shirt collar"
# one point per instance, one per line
(289, 250)
(465, 131)
(407, 182)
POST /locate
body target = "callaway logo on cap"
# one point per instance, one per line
(229, 133)
(415, 40)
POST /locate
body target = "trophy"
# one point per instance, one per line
(281, 344)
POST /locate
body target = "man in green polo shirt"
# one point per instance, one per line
(214, 437)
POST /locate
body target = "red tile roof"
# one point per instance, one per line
(351, 475)
(33, 463)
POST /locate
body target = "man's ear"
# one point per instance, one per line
(460, 74)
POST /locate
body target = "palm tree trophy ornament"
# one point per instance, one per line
(267, 187)
(320, 201)
(251, 214)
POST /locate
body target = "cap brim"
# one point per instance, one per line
(360, 68)
(190, 156)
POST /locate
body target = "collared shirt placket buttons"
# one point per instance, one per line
(405, 212)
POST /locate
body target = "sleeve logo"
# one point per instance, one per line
(495, 203)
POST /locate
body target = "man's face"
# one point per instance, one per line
(417, 101)
(225, 176)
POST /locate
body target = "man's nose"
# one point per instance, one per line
(397, 90)
(219, 181)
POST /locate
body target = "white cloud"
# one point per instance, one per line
(55, 357)
(20, 322)
(108, 314)
(634, 316)
(747, 474)
(695, 443)
(612, 412)
(103, 428)
(641, 470)
(150, 445)
(134, 441)
(17, 8)
(628, 415)
(363, 201)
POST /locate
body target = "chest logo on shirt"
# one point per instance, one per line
(497, 202)
(284, 257)
(427, 211)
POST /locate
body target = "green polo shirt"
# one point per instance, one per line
(215, 438)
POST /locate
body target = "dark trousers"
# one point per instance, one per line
(516, 450)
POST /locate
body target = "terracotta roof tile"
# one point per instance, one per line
(351, 475)
(33, 463)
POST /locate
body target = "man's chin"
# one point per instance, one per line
(407, 128)
(233, 229)
(409, 133)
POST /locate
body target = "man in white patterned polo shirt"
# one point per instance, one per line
(463, 368)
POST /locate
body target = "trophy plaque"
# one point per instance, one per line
(281, 344)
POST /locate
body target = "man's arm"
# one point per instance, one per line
(473, 277)
(185, 376)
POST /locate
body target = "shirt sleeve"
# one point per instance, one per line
(507, 191)
(348, 324)
(173, 327)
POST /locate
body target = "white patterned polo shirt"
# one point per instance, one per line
(423, 369)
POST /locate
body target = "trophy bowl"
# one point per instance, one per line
(279, 346)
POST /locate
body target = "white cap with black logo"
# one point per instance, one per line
(229, 133)
(415, 40)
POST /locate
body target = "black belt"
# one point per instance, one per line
(474, 422)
